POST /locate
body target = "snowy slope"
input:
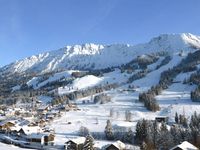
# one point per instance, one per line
(80, 83)
(92, 56)
(91, 81)
(153, 77)
(35, 81)
(177, 99)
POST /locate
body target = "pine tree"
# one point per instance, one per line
(109, 131)
(176, 117)
(165, 139)
(89, 143)
(176, 134)
(141, 130)
(83, 131)
(155, 132)
(129, 136)
(185, 122)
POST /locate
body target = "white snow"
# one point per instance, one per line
(33, 82)
(91, 81)
(80, 83)
(86, 81)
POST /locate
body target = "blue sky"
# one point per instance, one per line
(30, 27)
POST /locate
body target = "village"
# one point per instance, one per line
(28, 127)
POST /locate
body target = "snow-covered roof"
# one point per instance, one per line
(43, 107)
(185, 146)
(119, 145)
(36, 135)
(7, 121)
(30, 130)
(24, 122)
(78, 140)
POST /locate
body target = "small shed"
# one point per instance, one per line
(184, 146)
(118, 145)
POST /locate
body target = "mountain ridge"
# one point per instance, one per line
(97, 56)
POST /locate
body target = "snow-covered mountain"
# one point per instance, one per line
(92, 56)
(147, 87)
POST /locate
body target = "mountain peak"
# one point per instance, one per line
(174, 42)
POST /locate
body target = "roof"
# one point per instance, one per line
(35, 136)
(79, 140)
(43, 107)
(24, 122)
(27, 130)
(7, 121)
(20, 122)
(118, 144)
(185, 146)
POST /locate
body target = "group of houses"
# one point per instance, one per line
(30, 132)
(33, 136)
(77, 144)
(25, 134)
(27, 126)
